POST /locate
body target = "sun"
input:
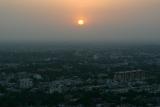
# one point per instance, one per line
(81, 22)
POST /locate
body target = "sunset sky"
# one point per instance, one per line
(57, 20)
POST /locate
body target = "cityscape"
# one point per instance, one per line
(80, 77)
(79, 53)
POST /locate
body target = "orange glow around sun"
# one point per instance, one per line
(80, 22)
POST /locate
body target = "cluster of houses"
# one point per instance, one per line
(121, 83)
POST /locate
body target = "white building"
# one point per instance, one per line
(26, 83)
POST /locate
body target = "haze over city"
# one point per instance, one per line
(79, 53)
(134, 21)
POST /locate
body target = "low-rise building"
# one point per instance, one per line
(26, 83)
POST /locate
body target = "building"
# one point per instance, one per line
(26, 83)
(133, 75)
(56, 86)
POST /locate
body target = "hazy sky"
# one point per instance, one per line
(56, 20)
